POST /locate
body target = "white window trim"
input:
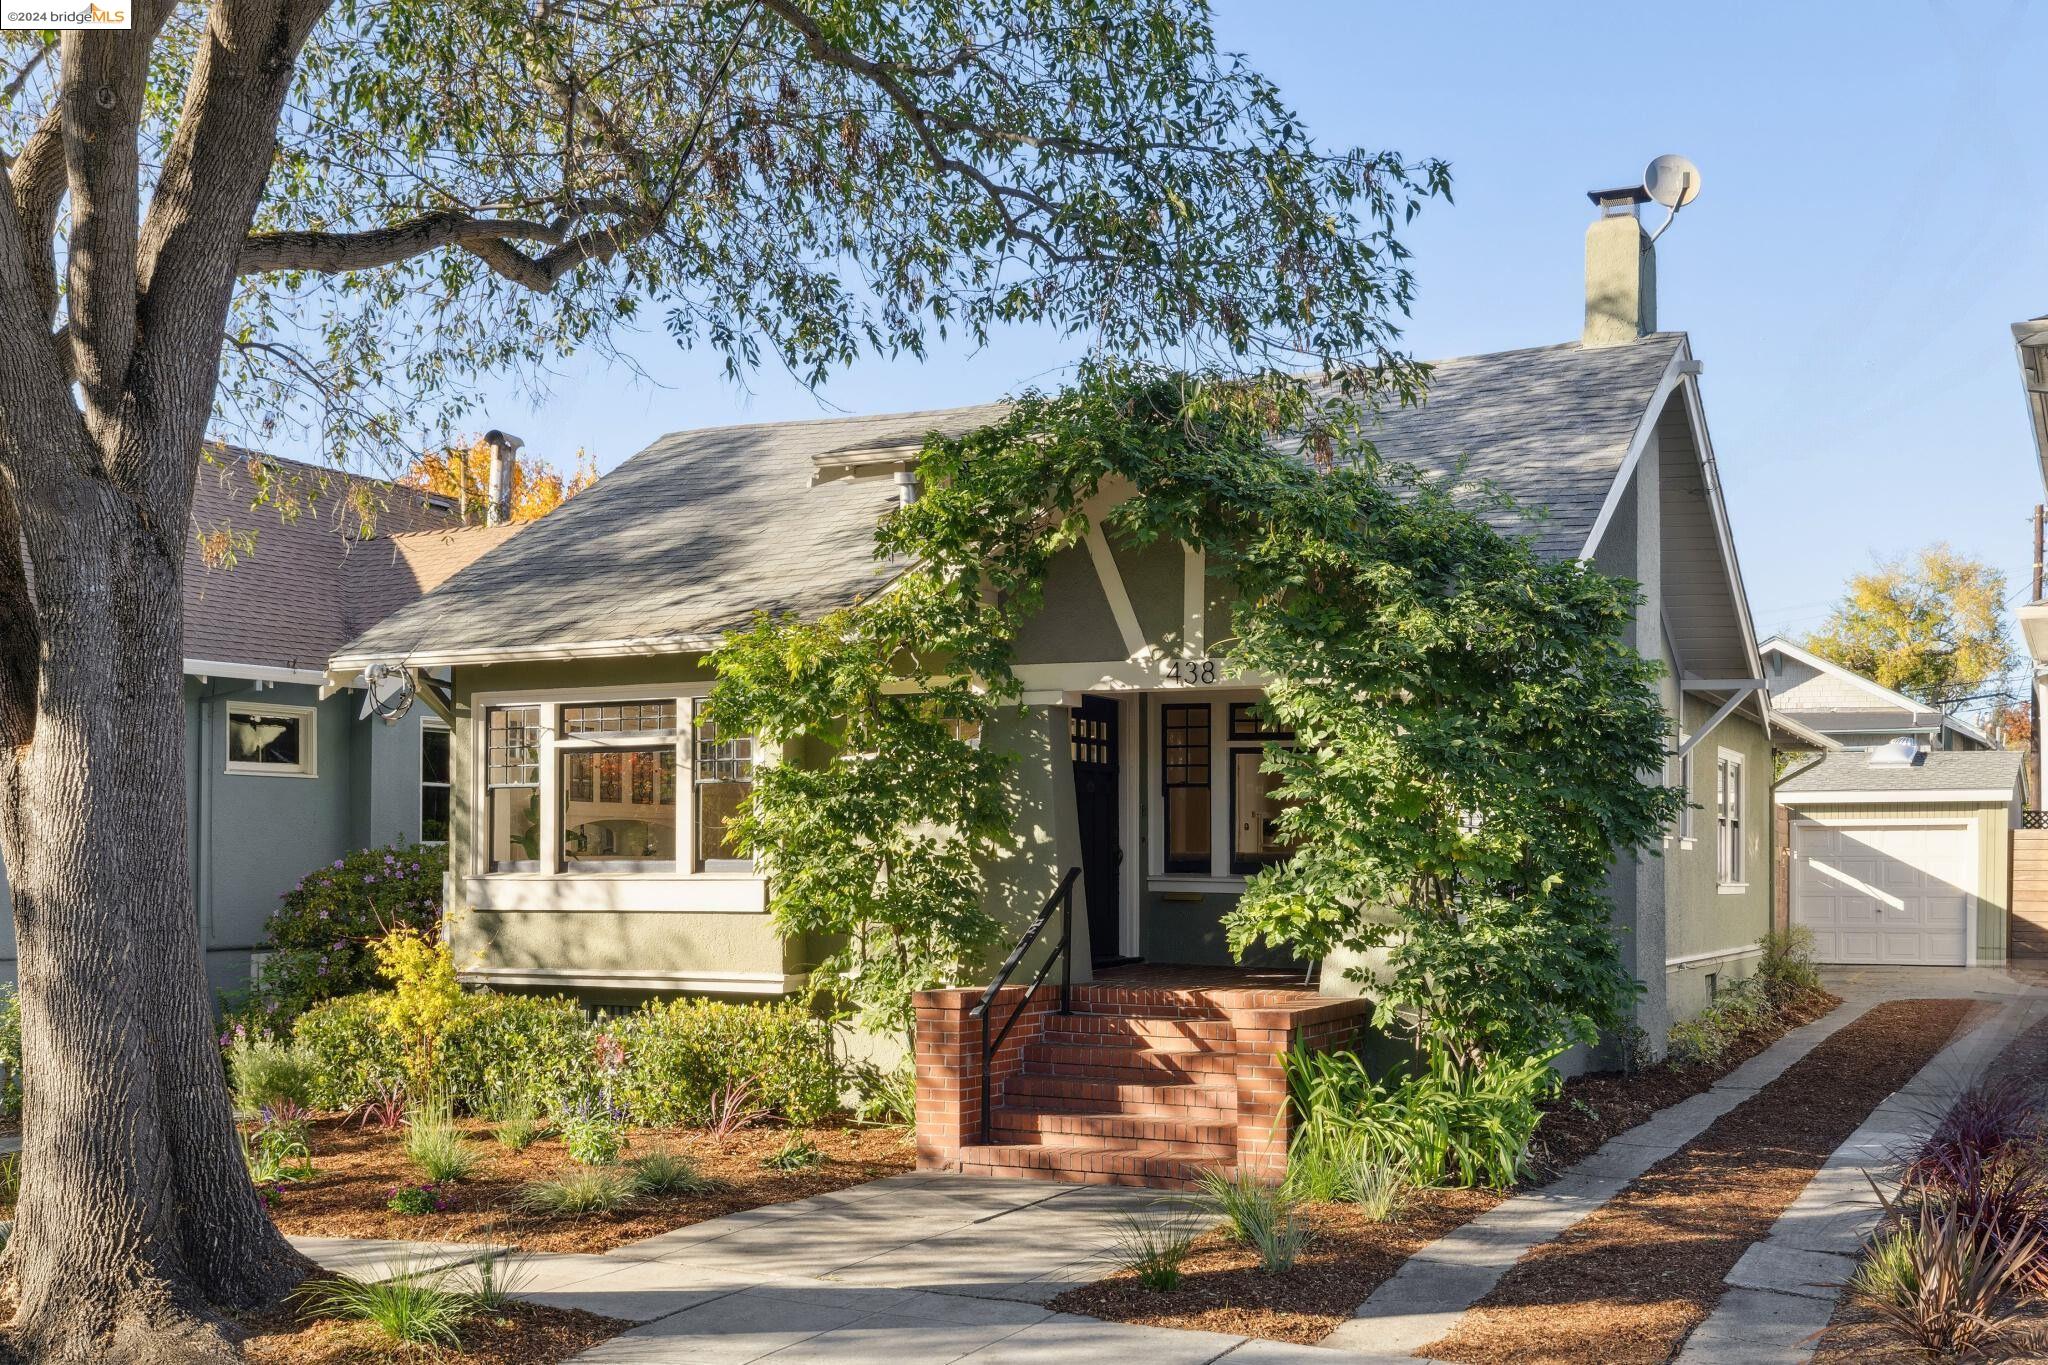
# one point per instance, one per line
(552, 871)
(1738, 831)
(430, 726)
(1219, 880)
(309, 740)
(1685, 812)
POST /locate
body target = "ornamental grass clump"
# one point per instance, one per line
(438, 1148)
(414, 1307)
(576, 1193)
(666, 1173)
(1942, 1279)
(797, 1153)
(1154, 1244)
(1264, 1216)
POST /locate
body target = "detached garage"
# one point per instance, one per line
(1899, 856)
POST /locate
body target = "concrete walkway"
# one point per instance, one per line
(1429, 1295)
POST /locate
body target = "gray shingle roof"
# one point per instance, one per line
(304, 583)
(695, 534)
(1938, 771)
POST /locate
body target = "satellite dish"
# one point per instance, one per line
(388, 690)
(1672, 181)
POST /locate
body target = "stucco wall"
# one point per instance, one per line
(1995, 822)
(251, 836)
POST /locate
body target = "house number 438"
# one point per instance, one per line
(1191, 672)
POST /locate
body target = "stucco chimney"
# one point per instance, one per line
(1621, 271)
(504, 447)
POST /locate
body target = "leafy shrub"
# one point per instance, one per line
(414, 1307)
(1444, 1124)
(1787, 973)
(352, 1049)
(797, 1153)
(887, 1098)
(660, 1173)
(321, 931)
(263, 1071)
(575, 1193)
(496, 1050)
(1154, 1244)
(437, 1147)
(424, 998)
(680, 1053)
(592, 1137)
(1706, 1039)
(10, 1053)
(416, 1199)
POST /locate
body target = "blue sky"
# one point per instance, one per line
(1870, 224)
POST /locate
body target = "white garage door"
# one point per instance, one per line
(1885, 893)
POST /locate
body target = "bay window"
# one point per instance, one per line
(628, 786)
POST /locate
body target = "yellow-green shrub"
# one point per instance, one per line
(679, 1053)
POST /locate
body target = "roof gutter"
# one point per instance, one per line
(216, 668)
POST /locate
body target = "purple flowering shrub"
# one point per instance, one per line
(417, 1199)
(321, 931)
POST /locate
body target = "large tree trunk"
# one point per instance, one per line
(137, 1220)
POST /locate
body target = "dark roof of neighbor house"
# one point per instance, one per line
(693, 535)
(305, 577)
(1940, 770)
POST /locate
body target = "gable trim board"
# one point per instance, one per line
(1899, 700)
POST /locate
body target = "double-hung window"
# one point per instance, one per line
(617, 787)
(512, 788)
(1728, 780)
(724, 778)
(436, 782)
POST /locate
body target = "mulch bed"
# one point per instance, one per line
(355, 1169)
(518, 1334)
(1631, 1281)
(1349, 1256)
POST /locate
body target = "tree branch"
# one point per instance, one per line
(38, 180)
(20, 632)
(333, 253)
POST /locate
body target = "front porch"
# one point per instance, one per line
(1158, 1073)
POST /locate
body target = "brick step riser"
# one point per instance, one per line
(1206, 1153)
(1128, 1064)
(1135, 1182)
(1170, 1095)
(1175, 1013)
(1165, 1113)
(1143, 1077)
(1115, 1127)
(1079, 1164)
(1137, 1031)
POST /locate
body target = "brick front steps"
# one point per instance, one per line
(1158, 1075)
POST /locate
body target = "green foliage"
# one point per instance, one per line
(680, 1053)
(321, 931)
(10, 1177)
(663, 1172)
(1264, 1216)
(797, 1153)
(425, 997)
(592, 1137)
(1944, 1281)
(273, 1156)
(1153, 1245)
(351, 1048)
(516, 1123)
(416, 1200)
(1787, 972)
(1442, 1124)
(496, 1050)
(263, 1070)
(494, 1279)
(414, 1307)
(1380, 1188)
(1740, 1010)
(886, 1098)
(1467, 713)
(10, 1052)
(1933, 628)
(438, 1148)
(576, 1193)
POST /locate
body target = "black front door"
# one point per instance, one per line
(1091, 742)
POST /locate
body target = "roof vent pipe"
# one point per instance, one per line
(504, 449)
(906, 486)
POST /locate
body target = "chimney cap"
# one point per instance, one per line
(1619, 200)
(495, 437)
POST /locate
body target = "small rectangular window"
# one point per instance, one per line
(273, 740)
(1184, 751)
(512, 787)
(619, 718)
(1248, 721)
(1685, 786)
(723, 779)
(435, 786)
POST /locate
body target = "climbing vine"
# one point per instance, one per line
(1472, 728)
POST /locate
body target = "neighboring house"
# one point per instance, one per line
(589, 852)
(1852, 710)
(280, 778)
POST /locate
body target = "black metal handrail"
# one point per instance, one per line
(1062, 900)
